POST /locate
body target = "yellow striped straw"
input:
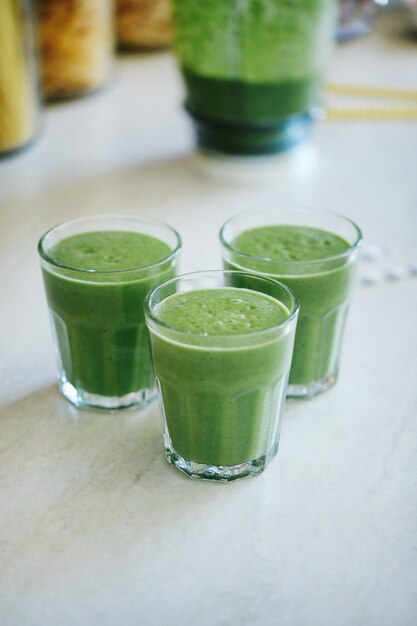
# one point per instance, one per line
(388, 112)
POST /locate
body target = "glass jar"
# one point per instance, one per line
(144, 23)
(76, 45)
(19, 103)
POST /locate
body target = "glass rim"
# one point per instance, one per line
(285, 262)
(113, 216)
(186, 333)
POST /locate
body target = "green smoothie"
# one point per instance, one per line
(316, 265)
(221, 359)
(252, 66)
(96, 283)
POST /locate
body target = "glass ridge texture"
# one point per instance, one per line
(323, 286)
(221, 395)
(100, 335)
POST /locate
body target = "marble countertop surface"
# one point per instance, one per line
(95, 528)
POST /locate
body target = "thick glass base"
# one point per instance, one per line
(306, 392)
(252, 139)
(219, 473)
(85, 400)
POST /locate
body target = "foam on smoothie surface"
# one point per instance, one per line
(109, 250)
(290, 243)
(221, 311)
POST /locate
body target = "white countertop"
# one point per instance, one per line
(95, 528)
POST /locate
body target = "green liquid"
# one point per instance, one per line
(221, 400)
(109, 250)
(98, 318)
(248, 103)
(220, 312)
(323, 293)
(253, 66)
(290, 243)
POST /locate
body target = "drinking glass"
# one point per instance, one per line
(324, 286)
(98, 323)
(221, 381)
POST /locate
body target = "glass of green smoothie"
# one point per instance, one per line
(221, 344)
(253, 70)
(315, 253)
(97, 272)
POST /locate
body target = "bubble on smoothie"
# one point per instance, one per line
(109, 250)
(220, 311)
(280, 242)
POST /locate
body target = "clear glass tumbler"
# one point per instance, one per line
(221, 351)
(253, 70)
(97, 272)
(315, 253)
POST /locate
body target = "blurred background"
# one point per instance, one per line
(54, 50)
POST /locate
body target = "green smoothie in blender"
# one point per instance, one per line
(253, 70)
